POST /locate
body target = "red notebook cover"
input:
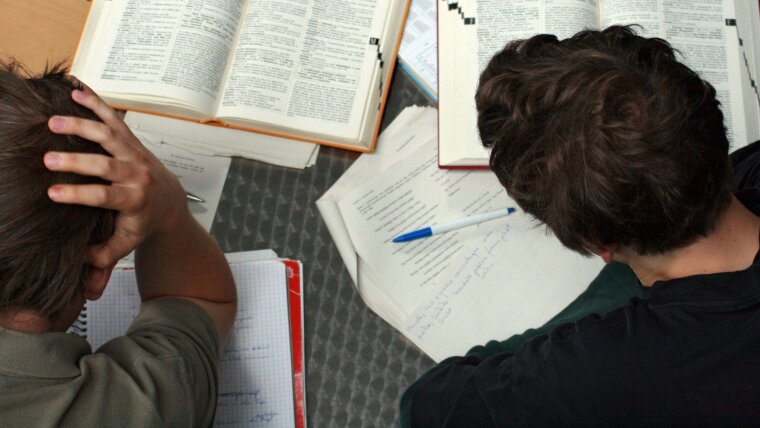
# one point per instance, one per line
(295, 297)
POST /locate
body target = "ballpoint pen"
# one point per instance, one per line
(193, 198)
(457, 224)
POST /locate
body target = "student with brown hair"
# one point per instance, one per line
(620, 151)
(78, 192)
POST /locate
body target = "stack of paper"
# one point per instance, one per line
(449, 292)
(197, 138)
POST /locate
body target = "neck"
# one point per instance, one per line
(32, 321)
(732, 246)
(26, 320)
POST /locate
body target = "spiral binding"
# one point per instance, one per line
(79, 327)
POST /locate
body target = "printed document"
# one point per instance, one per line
(459, 289)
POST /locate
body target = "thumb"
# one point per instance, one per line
(108, 253)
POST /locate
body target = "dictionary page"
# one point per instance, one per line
(704, 32)
(305, 65)
(172, 53)
(470, 33)
(748, 27)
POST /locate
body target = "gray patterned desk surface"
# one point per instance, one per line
(357, 366)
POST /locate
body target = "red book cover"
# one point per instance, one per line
(295, 297)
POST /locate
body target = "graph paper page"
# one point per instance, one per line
(255, 371)
(255, 368)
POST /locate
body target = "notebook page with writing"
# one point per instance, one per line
(255, 368)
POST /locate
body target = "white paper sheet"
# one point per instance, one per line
(459, 289)
(203, 176)
(389, 150)
(218, 141)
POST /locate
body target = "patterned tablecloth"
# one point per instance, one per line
(357, 366)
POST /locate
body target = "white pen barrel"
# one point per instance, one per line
(468, 221)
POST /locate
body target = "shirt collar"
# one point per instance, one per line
(725, 289)
(45, 355)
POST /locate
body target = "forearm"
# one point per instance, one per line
(184, 261)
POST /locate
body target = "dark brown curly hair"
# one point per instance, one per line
(607, 139)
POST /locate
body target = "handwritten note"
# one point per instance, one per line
(255, 369)
(414, 194)
(255, 374)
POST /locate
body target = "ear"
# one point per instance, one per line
(606, 252)
(96, 281)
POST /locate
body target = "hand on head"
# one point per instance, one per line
(148, 197)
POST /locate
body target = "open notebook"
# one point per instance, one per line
(261, 379)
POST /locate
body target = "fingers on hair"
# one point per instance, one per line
(43, 244)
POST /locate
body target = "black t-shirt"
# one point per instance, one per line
(686, 354)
